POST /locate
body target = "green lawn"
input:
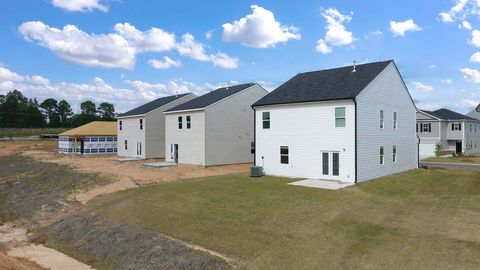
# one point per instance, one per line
(423, 219)
(457, 159)
(25, 132)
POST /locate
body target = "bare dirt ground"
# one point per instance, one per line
(15, 263)
(129, 174)
(36, 195)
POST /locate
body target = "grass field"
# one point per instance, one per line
(25, 132)
(458, 159)
(423, 219)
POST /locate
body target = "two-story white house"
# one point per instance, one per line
(141, 131)
(454, 132)
(213, 129)
(349, 124)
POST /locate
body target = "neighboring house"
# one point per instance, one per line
(475, 113)
(455, 132)
(141, 131)
(97, 137)
(213, 129)
(349, 124)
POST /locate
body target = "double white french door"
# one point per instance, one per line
(330, 164)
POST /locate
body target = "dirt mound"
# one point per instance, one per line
(14, 263)
(110, 245)
(28, 185)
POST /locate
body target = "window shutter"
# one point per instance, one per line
(417, 127)
(421, 128)
(429, 127)
(452, 126)
(460, 126)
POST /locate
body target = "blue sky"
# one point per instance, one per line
(128, 52)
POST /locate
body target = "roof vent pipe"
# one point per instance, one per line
(354, 66)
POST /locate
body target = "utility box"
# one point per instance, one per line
(256, 171)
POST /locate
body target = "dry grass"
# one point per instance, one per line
(457, 159)
(423, 219)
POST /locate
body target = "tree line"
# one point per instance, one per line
(18, 111)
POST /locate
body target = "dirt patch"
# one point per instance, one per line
(111, 245)
(129, 174)
(14, 263)
(27, 186)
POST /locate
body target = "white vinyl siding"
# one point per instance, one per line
(307, 140)
(386, 92)
(149, 132)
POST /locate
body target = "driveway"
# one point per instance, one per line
(450, 165)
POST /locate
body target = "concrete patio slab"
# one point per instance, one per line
(127, 159)
(325, 184)
(158, 164)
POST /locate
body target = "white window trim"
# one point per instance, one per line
(344, 117)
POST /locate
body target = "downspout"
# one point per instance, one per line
(254, 136)
(356, 142)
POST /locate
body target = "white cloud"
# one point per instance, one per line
(459, 10)
(259, 29)
(471, 75)
(134, 93)
(165, 64)
(75, 46)
(400, 28)
(428, 106)
(191, 48)
(7, 75)
(152, 40)
(336, 34)
(475, 57)
(465, 25)
(475, 41)
(432, 66)
(468, 103)
(39, 80)
(372, 34)
(224, 61)
(118, 49)
(446, 81)
(209, 34)
(80, 5)
(422, 87)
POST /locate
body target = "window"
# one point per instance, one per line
(456, 126)
(394, 120)
(141, 124)
(266, 119)
(120, 124)
(252, 147)
(101, 139)
(284, 154)
(189, 122)
(325, 163)
(335, 164)
(394, 152)
(470, 127)
(180, 122)
(340, 117)
(382, 160)
(126, 145)
(382, 123)
(426, 127)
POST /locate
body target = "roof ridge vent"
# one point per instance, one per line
(354, 66)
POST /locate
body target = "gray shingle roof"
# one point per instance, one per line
(329, 84)
(446, 114)
(211, 97)
(152, 105)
